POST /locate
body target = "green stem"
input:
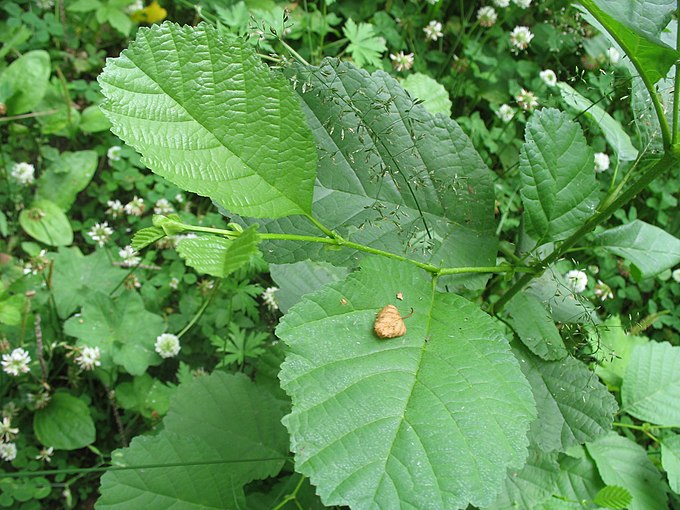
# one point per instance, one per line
(676, 91)
(200, 311)
(292, 496)
(596, 219)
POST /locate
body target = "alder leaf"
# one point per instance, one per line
(613, 496)
(364, 45)
(432, 419)
(209, 116)
(670, 459)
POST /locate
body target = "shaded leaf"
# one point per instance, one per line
(66, 177)
(579, 479)
(535, 327)
(65, 423)
(24, 82)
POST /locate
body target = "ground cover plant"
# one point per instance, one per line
(391, 255)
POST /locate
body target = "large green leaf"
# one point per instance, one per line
(559, 189)
(650, 249)
(66, 177)
(209, 116)
(65, 423)
(218, 256)
(535, 327)
(45, 221)
(613, 132)
(651, 386)
(573, 405)
(24, 82)
(432, 419)
(75, 276)
(624, 463)
(122, 329)
(649, 17)
(390, 176)
(579, 479)
(670, 458)
(222, 431)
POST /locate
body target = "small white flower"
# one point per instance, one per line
(520, 37)
(163, 207)
(501, 3)
(549, 77)
(505, 113)
(167, 345)
(135, 207)
(179, 198)
(526, 100)
(577, 280)
(269, 298)
(487, 16)
(129, 256)
(115, 208)
(603, 291)
(100, 233)
(23, 173)
(16, 362)
(601, 162)
(89, 358)
(613, 56)
(174, 283)
(7, 432)
(8, 451)
(114, 153)
(433, 30)
(433, 2)
(401, 61)
(676, 275)
(137, 5)
(524, 4)
(45, 454)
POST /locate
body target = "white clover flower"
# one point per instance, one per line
(269, 299)
(526, 100)
(129, 256)
(115, 208)
(174, 283)
(132, 282)
(487, 16)
(613, 56)
(16, 362)
(167, 345)
(676, 275)
(23, 173)
(135, 207)
(520, 37)
(433, 30)
(601, 162)
(549, 77)
(44, 4)
(7, 432)
(100, 233)
(45, 454)
(603, 291)
(524, 4)
(577, 280)
(89, 358)
(163, 207)
(8, 451)
(433, 2)
(179, 198)
(505, 113)
(501, 3)
(114, 153)
(401, 61)
(135, 6)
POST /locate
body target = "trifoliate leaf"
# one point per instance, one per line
(432, 419)
(364, 45)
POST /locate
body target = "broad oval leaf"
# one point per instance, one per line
(25, 81)
(67, 177)
(65, 424)
(559, 189)
(432, 419)
(47, 223)
(209, 116)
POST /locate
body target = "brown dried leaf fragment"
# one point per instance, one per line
(388, 323)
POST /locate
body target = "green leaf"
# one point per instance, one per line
(434, 96)
(93, 120)
(208, 460)
(146, 237)
(650, 249)
(65, 424)
(573, 406)
(47, 223)
(559, 190)
(66, 177)
(613, 496)
(218, 256)
(119, 20)
(26, 81)
(649, 17)
(122, 329)
(670, 459)
(612, 130)
(444, 409)
(222, 125)
(296, 280)
(145, 395)
(552, 289)
(624, 463)
(535, 327)
(579, 479)
(75, 276)
(613, 348)
(390, 176)
(364, 45)
(651, 386)
(651, 57)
